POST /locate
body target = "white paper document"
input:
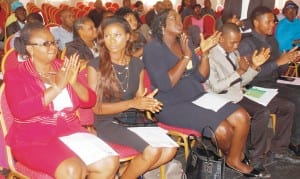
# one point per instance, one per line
(88, 147)
(154, 136)
(295, 82)
(211, 101)
(261, 95)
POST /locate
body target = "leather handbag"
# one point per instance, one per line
(134, 118)
(202, 162)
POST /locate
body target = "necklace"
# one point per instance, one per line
(47, 75)
(122, 77)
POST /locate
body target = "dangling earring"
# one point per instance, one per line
(163, 31)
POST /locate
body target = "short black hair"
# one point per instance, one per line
(259, 11)
(229, 27)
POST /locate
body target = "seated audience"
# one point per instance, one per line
(186, 8)
(262, 37)
(288, 29)
(139, 8)
(151, 14)
(84, 41)
(244, 8)
(195, 19)
(31, 18)
(117, 78)
(229, 74)
(96, 14)
(14, 27)
(207, 9)
(193, 24)
(177, 72)
(64, 33)
(43, 94)
(12, 18)
(140, 34)
(167, 4)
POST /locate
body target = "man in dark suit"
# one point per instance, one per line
(244, 8)
(153, 13)
(14, 27)
(262, 37)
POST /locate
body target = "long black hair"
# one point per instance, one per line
(108, 86)
(158, 24)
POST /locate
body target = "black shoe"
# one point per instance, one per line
(259, 164)
(254, 173)
(295, 149)
(246, 160)
(286, 157)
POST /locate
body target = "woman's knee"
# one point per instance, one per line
(151, 153)
(106, 165)
(71, 168)
(239, 117)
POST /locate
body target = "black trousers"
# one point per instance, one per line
(291, 93)
(258, 135)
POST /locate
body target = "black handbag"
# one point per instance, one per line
(134, 118)
(203, 163)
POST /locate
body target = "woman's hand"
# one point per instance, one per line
(68, 72)
(184, 43)
(147, 102)
(210, 42)
(74, 68)
(260, 58)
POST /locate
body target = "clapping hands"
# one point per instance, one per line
(148, 102)
(68, 72)
(260, 58)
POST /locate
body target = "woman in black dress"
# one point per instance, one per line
(117, 79)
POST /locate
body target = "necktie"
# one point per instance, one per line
(234, 68)
(230, 61)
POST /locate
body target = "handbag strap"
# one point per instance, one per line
(192, 137)
(214, 135)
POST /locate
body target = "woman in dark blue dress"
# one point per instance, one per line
(177, 72)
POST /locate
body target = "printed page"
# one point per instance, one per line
(211, 101)
(88, 147)
(261, 95)
(154, 136)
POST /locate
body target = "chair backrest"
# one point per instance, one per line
(51, 24)
(5, 122)
(209, 25)
(7, 46)
(9, 60)
(17, 170)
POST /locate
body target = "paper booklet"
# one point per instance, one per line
(295, 82)
(154, 136)
(88, 147)
(211, 101)
(261, 95)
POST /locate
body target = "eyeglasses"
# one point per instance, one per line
(46, 43)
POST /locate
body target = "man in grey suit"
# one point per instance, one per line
(244, 8)
(228, 74)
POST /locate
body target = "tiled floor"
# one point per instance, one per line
(278, 170)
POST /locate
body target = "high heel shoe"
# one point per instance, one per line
(246, 160)
(254, 173)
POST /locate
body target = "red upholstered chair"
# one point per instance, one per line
(9, 60)
(17, 170)
(7, 46)
(209, 25)
(178, 133)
